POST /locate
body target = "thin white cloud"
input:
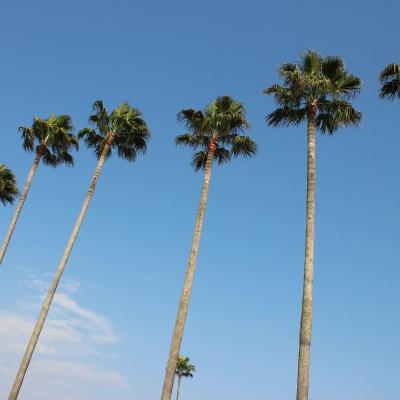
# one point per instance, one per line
(74, 343)
(70, 285)
(100, 328)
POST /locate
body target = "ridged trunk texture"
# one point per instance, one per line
(306, 311)
(53, 287)
(179, 387)
(187, 286)
(20, 204)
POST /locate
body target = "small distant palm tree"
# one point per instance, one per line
(8, 185)
(51, 139)
(317, 91)
(183, 369)
(124, 131)
(390, 80)
(215, 135)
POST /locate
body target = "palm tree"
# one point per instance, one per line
(124, 131)
(317, 91)
(214, 133)
(183, 369)
(390, 80)
(8, 185)
(51, 140)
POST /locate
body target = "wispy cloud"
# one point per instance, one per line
(68, 357)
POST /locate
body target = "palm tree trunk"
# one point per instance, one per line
(21, 202)
(178, 388)
(53, 287)
(187, 286)
(306, 311)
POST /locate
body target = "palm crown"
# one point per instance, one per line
(124, 130)
(218, 127)
(183, 368)
(390, 80)
(317, 85)
(8, 185)
(52, 138)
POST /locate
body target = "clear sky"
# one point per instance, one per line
(109, 330)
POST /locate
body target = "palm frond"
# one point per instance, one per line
(346, 86)
(34, 134)
(335, 114)
(48, 157)
(28, 139)
(63, 157)
(389, 72)
(100, 117)
(390, 90)
(193, 120)
(311, 62)
(286, 116)
(226, 116)
(243, 146)
(222, 155)
(193, 141)
(290, 74)
(93, 140)
(8, 185)
(131, 133)
(284, 96)
(332, 67)
(390, 80)
(199, 160)
(326, 123)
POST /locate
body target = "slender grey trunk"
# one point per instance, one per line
(306, 311)
(53, 287)
(21, 202)
(179, 387)
(187, 286)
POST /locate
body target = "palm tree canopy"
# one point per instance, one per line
(8, 185)
(52, 137)
(128, 129)
(183, 368)
(390, 80)
(219, 124)
(318, 84)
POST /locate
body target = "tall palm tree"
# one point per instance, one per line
(8, 185)
(183, 369)
(390, 80)
(215, 134)
(51, 139)
(124, 131)
(317, 90)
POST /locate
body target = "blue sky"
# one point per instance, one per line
(109, 330)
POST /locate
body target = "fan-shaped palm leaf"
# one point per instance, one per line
(8, 185)
(390, 80)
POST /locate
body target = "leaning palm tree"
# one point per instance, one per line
(390, 80)
(183, 369)
(8, 185)
(215, 135)
(124, 131)
(317, 91)
(51, 139)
